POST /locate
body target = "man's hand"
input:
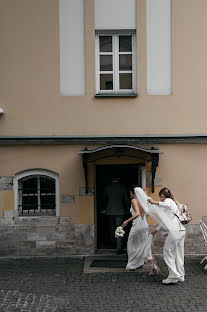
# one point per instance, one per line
(151, 201)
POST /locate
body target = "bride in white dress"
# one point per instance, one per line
(139, 240)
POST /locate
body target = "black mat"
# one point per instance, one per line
(108, 264)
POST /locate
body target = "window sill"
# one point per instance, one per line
(37, 220)
(36, 216)
(102, 95)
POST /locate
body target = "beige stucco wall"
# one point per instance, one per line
(29, 88)
(6, 202)
(1, 204)
(182, 168)
(63, 160)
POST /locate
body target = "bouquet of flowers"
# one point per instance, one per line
(119, 232)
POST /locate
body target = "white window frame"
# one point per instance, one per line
(36, 172)
(115, 58)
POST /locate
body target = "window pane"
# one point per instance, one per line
(125, 43)
(47, 185)
(29, 186)
(29, 195)
(29, 203)
(105, 43)
(106, 62)
(47, 194)
(125, 62)
(125, 81)
(106, 82)
(47, 202)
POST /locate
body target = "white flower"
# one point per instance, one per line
(119, 232)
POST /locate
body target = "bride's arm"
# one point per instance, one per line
(136, 210)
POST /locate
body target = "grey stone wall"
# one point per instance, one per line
(56, 237)
(45, 236)
(6, 183)
(194, 242)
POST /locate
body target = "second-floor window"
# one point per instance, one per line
(115, 63)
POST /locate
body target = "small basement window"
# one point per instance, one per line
(37, 195)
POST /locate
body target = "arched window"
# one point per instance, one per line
(37, 192)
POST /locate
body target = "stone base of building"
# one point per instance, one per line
(43, 236)
(56, 237)
(194, 241)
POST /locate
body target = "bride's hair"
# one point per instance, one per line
(168, 194)
(132, 187)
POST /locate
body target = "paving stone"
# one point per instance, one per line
(59, 285)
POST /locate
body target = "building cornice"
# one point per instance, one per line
(120, 139)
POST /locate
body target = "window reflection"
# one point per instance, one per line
(106, 82)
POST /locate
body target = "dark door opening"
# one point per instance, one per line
(129, 174)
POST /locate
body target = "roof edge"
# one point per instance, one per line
(121, 139)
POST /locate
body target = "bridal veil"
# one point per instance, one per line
(159, 214)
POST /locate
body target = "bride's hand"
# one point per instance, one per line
(124, 223)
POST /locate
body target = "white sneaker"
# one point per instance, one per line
(181, 279)
(170, 280)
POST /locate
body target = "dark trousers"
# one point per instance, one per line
(113, 223)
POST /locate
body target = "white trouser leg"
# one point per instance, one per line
(173, 254)
(180, 254)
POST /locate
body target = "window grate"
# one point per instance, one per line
(37, 196)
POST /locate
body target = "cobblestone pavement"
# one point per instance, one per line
(60, 285)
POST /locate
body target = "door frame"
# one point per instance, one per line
(143, 179)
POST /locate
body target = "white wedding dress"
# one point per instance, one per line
(173, 251)
(139, 243)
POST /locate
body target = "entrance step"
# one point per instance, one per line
(108, 252)
(122, 259)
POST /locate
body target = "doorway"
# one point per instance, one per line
(129, 175)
